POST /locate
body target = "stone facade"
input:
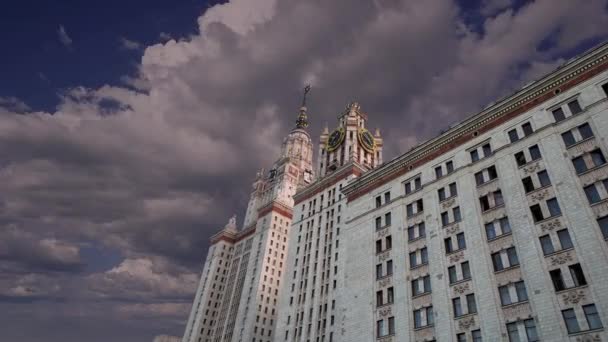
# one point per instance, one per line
(514, 230)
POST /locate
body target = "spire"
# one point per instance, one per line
(302, 121)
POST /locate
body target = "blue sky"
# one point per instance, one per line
(110, 190)
(37, 65)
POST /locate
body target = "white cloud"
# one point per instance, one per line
(128, 44)
(64, 38)
(14, 104)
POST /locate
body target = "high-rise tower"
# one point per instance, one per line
(236, 299)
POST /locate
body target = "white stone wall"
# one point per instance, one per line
(544, 304)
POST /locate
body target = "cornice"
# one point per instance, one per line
(329, 180)
(565, 77)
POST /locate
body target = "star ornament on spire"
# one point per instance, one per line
(302, 121)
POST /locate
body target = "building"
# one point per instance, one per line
(496, 230)
(236, 298)
(315, 277)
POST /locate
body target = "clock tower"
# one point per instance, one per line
(350, 141)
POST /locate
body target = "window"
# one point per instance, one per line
(378, 201)
(476, 334)
(577, 275)
(412, 185)
(605, 88)
(471, 304)
(414, 208)
(378, 222)
(497, 228)
(546, 244)
(531, 333)
(438, 172)
(423, 317)
(379, 298)
(466, 272)
(543, 178)
(513, 332)
(459, 239)
(596, 157)
(474, 156)
(534, 152)
(558, 114)
(380, 329)
(513, 137)
(443, 195)
(509, 254)
(421, 285)
(486, 201)
(564, 239)
(390, 295)
(387, 197)
(517, 288)
(486, 175)
(416, 231)
(527, 128)
(462, 337)
(603, 224)
(557, 279)
(574, 107)
(570, 320)
(391, 325)
(577, 134)
(449, 166)
(593, 318)
(457, 307)
(553, 208)
(387, 219)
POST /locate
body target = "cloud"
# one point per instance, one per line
(164, 36)
(128, 44)
(64, 38)
(153, 166)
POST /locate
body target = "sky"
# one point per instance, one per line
(130, 131)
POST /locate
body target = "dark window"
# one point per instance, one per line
(476, 334)
(461, 242)
(462, 337)
(378, 222)
(492, 172)
(378, 271)
(438, 172)
(421, 230)
(456, 212)
(520, 158)
(390, 295)
(411, 233)
(513, 137)
(513, 332)
(452, 274)
(417, 183)
(505, 297)
(471, 304)
(417, 318)
(484, 202)
(531, 330)
(453, 190)
(528, 184)
(410, 210)
(512, 256)
(457, 307)
(498, 200)
(543, 177)
(479, 178)
(579, 165)
(445, 219)
(570, 320)
(597, 157)
(497, 262)
(558, 115)
(391, 325)
(449, 166)
(378, 201)
(379, 298)
(487, 150)
(387, 197)
(424, 256)
(466, 271)
(564, 239)
(535, 152)
(568, 138)
(593, 318)
(546, 244)
(605, 87)
(441, 193)
(527, 128)
(577, 275)
(389, 267)
(408, 188)
(448, 245)
(389, 242)
(474, 156)
(520, 289)
(505, 225)
(387, 219)
(378, 246)
(557, 279)
(413, 260)
(575, 107)
(554, 209)
(603, 223)
(585, 131)
(490, 231)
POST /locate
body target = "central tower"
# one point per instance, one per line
(350, 141)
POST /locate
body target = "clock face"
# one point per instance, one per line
(335, 139)
(367, 140)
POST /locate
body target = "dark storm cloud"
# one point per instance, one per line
(152, 170)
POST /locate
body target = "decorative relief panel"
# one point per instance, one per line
(540, 195)
(594, 175)
(551, 225)
(508, 276)
(466, 323)
(386, 339)
(561, 259)
(416, 244)
(461, 288)
(574, 297)
(384, 256)
(517, 312)
(452, 229)
(494, 214)
(424, 334)
(382, 232)
(416, 218)
(500, 243)
(456, 257)
(422, 301)
(589, 338)
(419, 271)
(447, 204)
(583, 147)
(532, 168)
(600, 209)
(488, 187)
(386, 281)
(385, 311)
